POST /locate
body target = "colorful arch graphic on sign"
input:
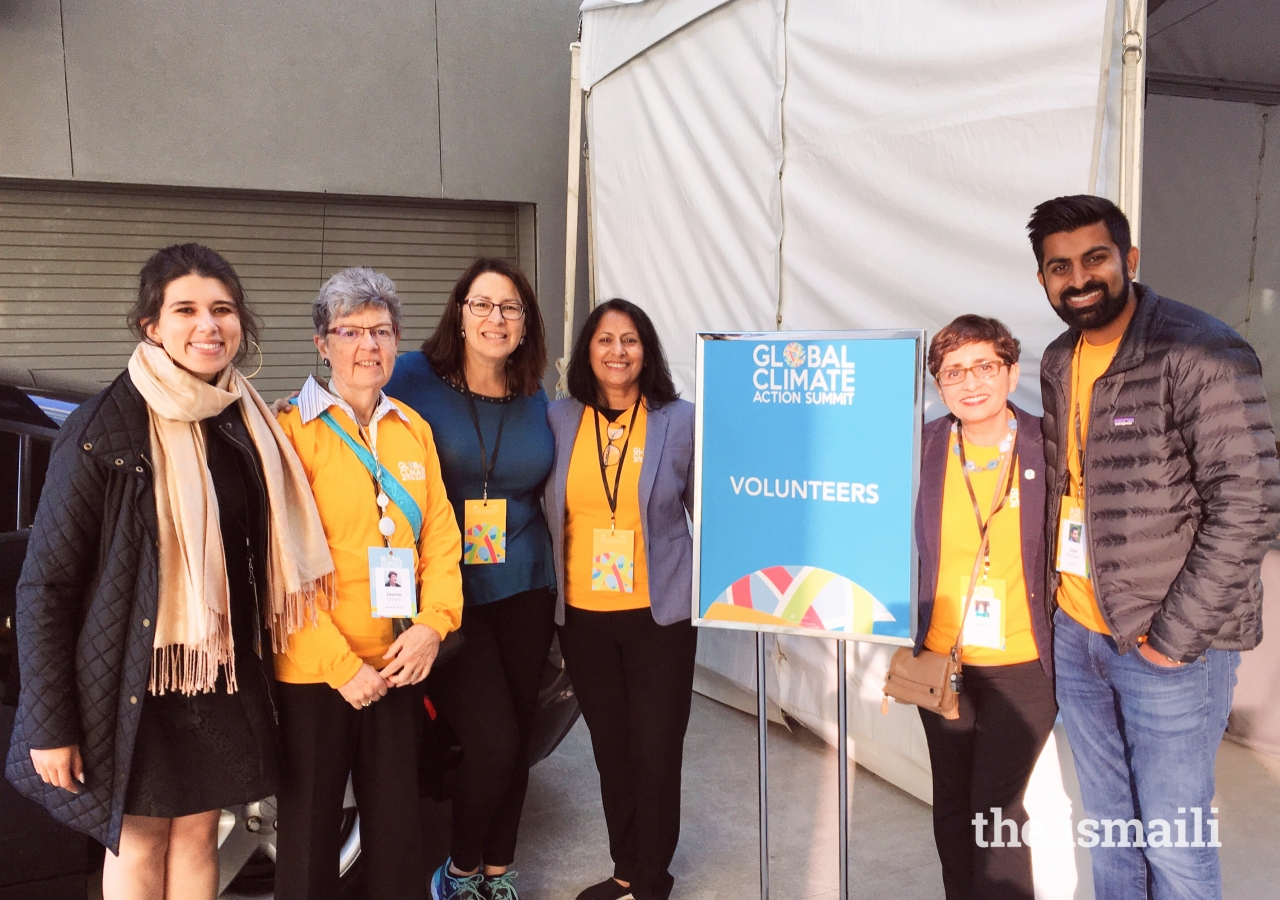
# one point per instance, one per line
(800, 597)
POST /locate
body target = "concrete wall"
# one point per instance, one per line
(458, 99)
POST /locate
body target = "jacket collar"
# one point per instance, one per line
(118, 431)
(314, 399)
(1133, 344)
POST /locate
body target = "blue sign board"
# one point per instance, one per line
(807, 461)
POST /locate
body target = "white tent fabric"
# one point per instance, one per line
(759, 164)
(685, 147)
(867, 165)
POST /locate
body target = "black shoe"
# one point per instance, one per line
(606, 890)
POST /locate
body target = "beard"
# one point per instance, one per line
(1100, 314)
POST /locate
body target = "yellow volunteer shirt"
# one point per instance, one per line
(587, 508)
(332, 650)
(1075, 594)
(960, 541)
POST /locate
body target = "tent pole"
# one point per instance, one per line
(571, 212)
(762, 738)
(842, 760)
(1131, 113)
(591, 226)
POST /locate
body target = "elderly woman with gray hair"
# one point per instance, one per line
(350, 701)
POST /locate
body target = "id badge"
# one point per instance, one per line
(984, 624)
(484, 532)
(613, 564)
(1073, 555)
(392, 592)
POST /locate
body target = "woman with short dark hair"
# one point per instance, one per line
(617, 504)
(477, 382)
(176, 543)
(982, 473)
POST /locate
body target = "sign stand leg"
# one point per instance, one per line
(762, 717)
(842, 760)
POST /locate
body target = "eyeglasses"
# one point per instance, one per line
(349, 334)
(484, 308)
(985, 371)
(613, 453)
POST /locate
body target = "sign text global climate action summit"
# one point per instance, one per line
(802, 374)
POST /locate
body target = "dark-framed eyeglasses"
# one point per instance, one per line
(983, 371)
(613, 453)
(484, 308)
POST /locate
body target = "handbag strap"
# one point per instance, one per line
(398, 493)
(982, 546)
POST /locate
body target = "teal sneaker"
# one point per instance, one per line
(447, 886)
(501, 887)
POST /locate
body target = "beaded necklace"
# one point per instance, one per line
(1005, 444)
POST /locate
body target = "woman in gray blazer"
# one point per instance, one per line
(616, 504)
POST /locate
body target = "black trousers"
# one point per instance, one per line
(488, 694)
(325, 739)
(981, 761)
(634, 681)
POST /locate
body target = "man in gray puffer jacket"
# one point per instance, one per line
(1163, 495)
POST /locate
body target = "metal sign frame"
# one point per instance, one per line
(842, 700)
(916, 334)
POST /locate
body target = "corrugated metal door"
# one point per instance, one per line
(70, 256)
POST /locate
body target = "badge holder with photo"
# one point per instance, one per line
(393, 590)
(1073, 552)
(983, 623)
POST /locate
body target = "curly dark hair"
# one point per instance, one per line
(971, 329)
(447, 349)
(177, 261)
(656, 386)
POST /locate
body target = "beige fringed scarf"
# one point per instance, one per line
(193, 624)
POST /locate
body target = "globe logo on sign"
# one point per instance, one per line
(793, 355)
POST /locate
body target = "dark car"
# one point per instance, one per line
(42, 859)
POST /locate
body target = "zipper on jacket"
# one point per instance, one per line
(253, 581)
(1084, 504)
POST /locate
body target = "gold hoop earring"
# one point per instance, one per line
(261, 359)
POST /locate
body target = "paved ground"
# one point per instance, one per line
(564, 848)
(563, 845)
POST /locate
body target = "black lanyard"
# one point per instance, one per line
(604, 475)
(997, 505)
(487, 464)
(1076, 363)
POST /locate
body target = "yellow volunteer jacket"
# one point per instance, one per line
(348, 634)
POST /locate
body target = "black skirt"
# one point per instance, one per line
(209, 751)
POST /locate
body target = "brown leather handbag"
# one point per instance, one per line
(932, 680)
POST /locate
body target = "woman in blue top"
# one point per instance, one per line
(476, 382)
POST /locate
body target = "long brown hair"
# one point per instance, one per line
(447, 348)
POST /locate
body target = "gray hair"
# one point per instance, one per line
(351, 290)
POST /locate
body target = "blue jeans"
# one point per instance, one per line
(1145, 739)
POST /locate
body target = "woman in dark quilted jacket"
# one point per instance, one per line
(175, 539)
